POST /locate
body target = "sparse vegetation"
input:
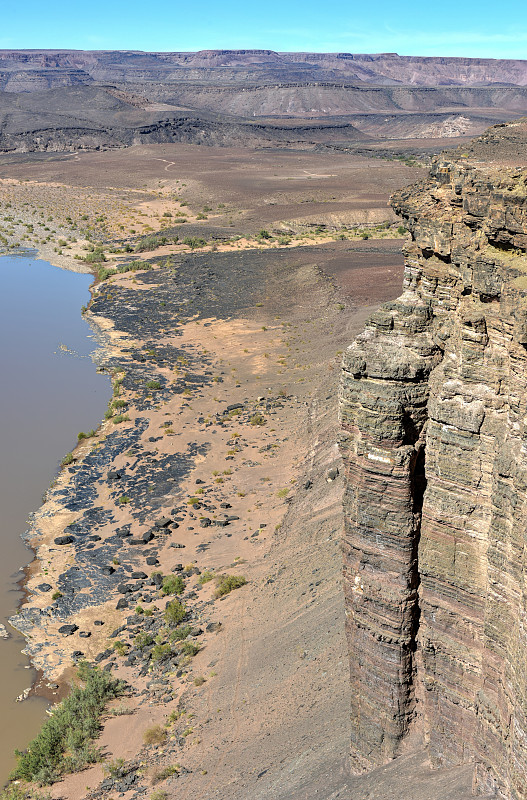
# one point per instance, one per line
(172, 584)
(175, 613)
(226, 584)
(155, 735)
(65, 742)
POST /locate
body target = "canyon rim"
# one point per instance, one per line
(433, 411)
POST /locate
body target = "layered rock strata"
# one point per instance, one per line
(434, 438)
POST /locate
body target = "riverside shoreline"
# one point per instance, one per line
(209, 332)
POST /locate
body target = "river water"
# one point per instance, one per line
(49, 391)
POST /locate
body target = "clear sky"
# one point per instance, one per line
(484, 28)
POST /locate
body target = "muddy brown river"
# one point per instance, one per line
(49, 391)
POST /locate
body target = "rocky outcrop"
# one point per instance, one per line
(434, 439)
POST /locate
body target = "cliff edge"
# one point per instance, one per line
(433, 410)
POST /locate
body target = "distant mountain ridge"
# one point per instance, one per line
(63, 100)
(67, 67)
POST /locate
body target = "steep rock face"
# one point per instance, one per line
(434, 418)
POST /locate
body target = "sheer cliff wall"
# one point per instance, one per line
(434, 439)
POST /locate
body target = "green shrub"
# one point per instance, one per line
(143, 640)
(95, 257)
(194, 242)
(226, 583)
(116, 768)
(150, 243)
(71, 729)
(82, 435)
(161, 652)
(190, 648)
(153, 385)
(175, 613)
(180, 633)
(205, 576)
(172, 584)
(120, 418)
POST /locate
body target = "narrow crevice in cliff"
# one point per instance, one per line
(418, 487)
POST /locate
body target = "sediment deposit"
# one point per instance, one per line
(433, 409)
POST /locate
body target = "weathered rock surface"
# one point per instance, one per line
(434, 418)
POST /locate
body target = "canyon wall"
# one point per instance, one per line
(434, 439)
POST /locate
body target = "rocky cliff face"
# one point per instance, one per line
(434, 438)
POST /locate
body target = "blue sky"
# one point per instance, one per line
(486, 28)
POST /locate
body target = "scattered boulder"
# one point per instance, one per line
(68, 630)
(162, 523)
(332, 474)
(64, 540)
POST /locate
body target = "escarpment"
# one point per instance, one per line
(434, 439)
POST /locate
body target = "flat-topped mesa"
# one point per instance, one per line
(434, 439)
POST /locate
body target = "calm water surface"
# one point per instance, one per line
(49, 391)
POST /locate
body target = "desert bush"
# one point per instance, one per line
(164, 773)
(175, 613)
(190, 648)
(180, 633)
(156, 735)
(172, 584)
(95, 257)
(71, 729)
(143, 640)
(161, 652)
(226, 583)
(194, 242)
